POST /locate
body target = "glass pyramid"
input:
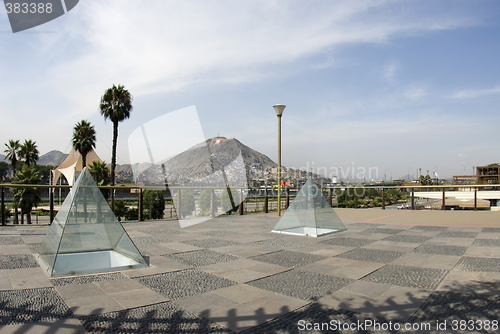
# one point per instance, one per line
(86, 236)
(309, 214)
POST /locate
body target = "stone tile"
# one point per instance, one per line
(119, 285)
(62, 326)
(5, 280)
(397, 303)
(178, 247)
(243, 270)
(371, 255)
(479, 252)
(138, 297)
(246, 250)
(33, 239)
(242, 293)
(392, 246)
(412, 259)
(99, 304)
(471, 282)
(16, 249)
(28, 278)
(205, 304)
(332, 250)
(238, 318)
(370, 290)
(275, 305)
(75, 291)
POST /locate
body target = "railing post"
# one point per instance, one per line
(355, 198)
(412, 199)
(475, 199)
(179, 203)
(140, 213)
(266, 201)
(240, 207)
(3, 208)
(383, 198)
(330, 197)
(212, 204)
(444, 200)
(51, 205)
(287, 197)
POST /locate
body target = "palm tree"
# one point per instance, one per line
(83, 139)
(26, 197)
(12, 153)
(116, 104)
(29, 152)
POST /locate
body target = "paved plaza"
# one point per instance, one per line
(232, 275)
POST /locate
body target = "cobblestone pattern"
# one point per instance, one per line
(288, 258)
(486, 243)
(301, 284)
(17, 261)
(160, 231)
(315, 313)
(479, 264)
(363, 225)
(87, 279)
(217, 234)
(158, 318)
(32, 232)
(371, 255)
(31, 305)
(460, 309)
(201, 258)
(279, 242)
(441, 249)
(454, 234)
(429, 228)
(211, 243)
(416, 239)
(349, 242)
(33, 248)
(383, 230)
(11, 241)
(147, 241)
(184, 283)
(491, 230)
(412, 277)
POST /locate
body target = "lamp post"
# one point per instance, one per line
(279, 112)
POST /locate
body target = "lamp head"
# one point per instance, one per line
(279, 109)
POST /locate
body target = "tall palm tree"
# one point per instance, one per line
(12, 153)
(83, 139)
(26, 197)
(116, 104)
(29, 152)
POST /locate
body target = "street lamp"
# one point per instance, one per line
(279, 112)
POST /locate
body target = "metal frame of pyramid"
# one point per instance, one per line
(309, 214)
(86, 237)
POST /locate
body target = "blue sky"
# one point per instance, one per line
(390, 85)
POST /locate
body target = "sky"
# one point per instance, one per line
(378, 88)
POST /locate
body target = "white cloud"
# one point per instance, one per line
(475, 93)
(416, 93)
(390, 70)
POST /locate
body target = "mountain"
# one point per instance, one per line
(53, 158)
(198, 162)
(2, 158)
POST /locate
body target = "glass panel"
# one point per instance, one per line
(85, 236)
(309, 214)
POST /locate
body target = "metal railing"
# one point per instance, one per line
(257, 199)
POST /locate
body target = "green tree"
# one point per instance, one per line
(7, 214)
(83, 139)
(12, 153)
(187, 203)
(4, 169)
(154, 203)
(116, 104)
(205, 201)
(29, 152)
(100, 173)
(121, 209)
(27, 198)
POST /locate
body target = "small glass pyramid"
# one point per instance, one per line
(85, 236)
(309, 214)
